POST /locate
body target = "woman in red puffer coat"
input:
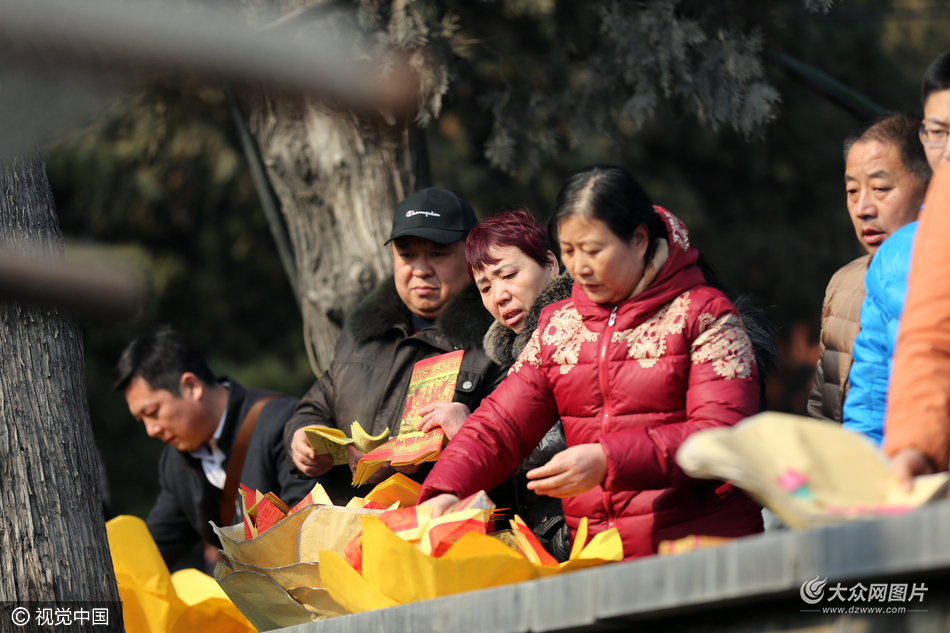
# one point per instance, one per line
(641, 355)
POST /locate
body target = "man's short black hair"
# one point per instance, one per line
(160, 359)
(901, 130)
(937, 77)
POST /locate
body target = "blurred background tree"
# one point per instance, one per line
(534, 92)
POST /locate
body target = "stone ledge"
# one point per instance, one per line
(755, 569)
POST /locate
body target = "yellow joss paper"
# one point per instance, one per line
(349, 588)
(265, 603)
(366, 442)
(441, 532)
(397, 489)
(396, 569)
(605, 547)
(329, 528)
(155, 601)
(333, 442)
(209, 607)
(408, 448)
(326, 441)
(295, 575)
(423, 577)
(276, 547)
(317, 495)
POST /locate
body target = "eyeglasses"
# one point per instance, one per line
(933, 138)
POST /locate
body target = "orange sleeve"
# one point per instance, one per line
(918, 410)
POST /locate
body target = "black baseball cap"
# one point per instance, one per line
(433, 214)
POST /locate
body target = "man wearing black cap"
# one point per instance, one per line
(430, 308)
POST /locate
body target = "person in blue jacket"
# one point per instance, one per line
(899, 177)
(886, 286)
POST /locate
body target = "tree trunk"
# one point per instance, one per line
(53, 544)
(337, 176)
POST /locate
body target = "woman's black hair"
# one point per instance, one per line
(613, 196)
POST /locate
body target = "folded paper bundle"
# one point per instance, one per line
(408, 448)
(432, 380)
(806, 471)
(154, 601)
(333, 442)
(397, 489)
(263, 511)
(406, 555)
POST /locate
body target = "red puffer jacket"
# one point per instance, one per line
(638, 377)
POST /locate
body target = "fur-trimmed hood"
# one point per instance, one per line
(502, 344)
(463, 321)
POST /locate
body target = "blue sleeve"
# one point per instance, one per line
(867, 381)
(886, 285)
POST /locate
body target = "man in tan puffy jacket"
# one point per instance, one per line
(886, 177)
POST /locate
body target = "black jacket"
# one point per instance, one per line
(368, 379)
(187, 500)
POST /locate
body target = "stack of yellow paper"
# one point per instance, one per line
(333, 442)
(397, 489)
(406, 449)
(432, 380)
(396, 572)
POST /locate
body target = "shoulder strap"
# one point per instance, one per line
(236, 459)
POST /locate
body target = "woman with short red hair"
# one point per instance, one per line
(510, 259)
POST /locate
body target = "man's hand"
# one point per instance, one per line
(306, 459)
(441, 503)
(385, 472)
(354, 455)
(571, 472)
(407, 469)
(907, 464)
(448, 415)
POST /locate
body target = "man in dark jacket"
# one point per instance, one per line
(169, 387)
(429, 308)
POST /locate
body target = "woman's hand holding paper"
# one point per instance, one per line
(440, 504)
